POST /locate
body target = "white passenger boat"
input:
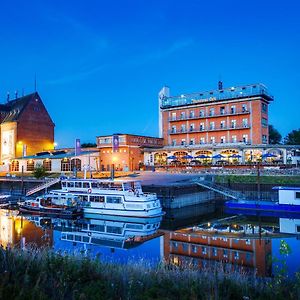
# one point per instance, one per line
(112, 197)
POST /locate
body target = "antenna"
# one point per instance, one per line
(7, 97)
(35, 82)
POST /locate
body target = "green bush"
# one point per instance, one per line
(39, 171)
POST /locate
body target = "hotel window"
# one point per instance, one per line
(264, 138)
(76, 163)
(222, 110)
(202, 140)
(183, 143)
(212, 140)
(175, 245)
(30, 165)
(212, 111)
(204, 250)
(173, 116)
(245, 122)
(223, 139)
(183, 128)
(192, 141)
(225, 253)
(247, 242)
(264, 107)
(264, 122)
(233, 109)
(201, 114)
(47, 164)
(182, 115)
(192, 127)
(202, 127)
(194, 248)
(211, 125)
(233, 138)
(173, 142)
(244, 108)
(173, 130)
(233, 123)
(222, 124)
(192, 114)
(245, 138)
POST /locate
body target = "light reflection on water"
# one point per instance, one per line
(248, 244)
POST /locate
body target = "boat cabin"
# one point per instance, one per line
(78, 185)
(288, 195)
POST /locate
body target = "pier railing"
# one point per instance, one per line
(42, 186)
(236, 195)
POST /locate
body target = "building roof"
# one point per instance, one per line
(55, 155)
(238, 92)
(15, 107)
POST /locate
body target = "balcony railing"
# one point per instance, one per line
(209, 129)
(217, 95)
(206, 145)
(225, 114)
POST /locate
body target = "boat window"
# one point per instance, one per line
(77, 238)
(86, 185)
(64, 184)
(101, 198)
(83, 198)
(78, 184)
(113, 199)
(95, 185)
(97, 198)
(99, 228)
(113, 229)
(298, 228)
(70, 237)
(70, 184)
(297, 195)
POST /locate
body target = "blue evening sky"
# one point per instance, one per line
(100, 64)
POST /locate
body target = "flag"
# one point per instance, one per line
(77, 147)
(115, 143)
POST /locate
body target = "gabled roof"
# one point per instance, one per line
(15, 107)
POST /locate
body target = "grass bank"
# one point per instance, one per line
(45, 275)
(252, 179)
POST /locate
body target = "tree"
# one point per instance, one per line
(39, 171)
(274, 135)
(293, 138)
(88, 145)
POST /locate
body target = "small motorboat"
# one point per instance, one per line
(67, 206)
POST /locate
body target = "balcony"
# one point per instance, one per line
(253, 90)
(185, 131)
(238, 112)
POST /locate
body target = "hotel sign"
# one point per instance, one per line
(115, 143)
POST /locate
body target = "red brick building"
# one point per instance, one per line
(223, 116)
(129, 154)
(26, 127)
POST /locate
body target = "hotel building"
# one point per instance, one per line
(224, 116)
(231, 123)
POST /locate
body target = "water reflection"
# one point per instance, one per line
(246, 244)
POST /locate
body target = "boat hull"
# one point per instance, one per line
(92, 211)
(264, 206)
(51, 212)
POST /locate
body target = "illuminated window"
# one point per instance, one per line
(30, 165)
(76, 163)
(47, 164)
(65, 165)
(15, 166)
